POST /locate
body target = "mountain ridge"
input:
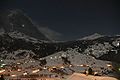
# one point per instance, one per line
(16, 20)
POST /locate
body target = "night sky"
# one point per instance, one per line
(72, 18)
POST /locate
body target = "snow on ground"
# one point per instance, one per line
(78, 76)
(77, 60)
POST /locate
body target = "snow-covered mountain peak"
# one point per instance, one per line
(16, 20)
(92, 37)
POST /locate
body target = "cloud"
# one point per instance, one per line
(50, 34)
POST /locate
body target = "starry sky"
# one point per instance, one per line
(72, 18)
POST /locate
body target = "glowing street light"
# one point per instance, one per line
(70, 65)
(83, 65)
(3, 64)
(18, 63)
(25, 73)
(35, 71)
(51, 57)
(62, 67)
(1, 71)
(13, 75)
(118, 69)
(19, 70)
(118, 44)
(109, 65)
(54, 67)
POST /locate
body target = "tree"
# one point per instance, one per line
(65, 60)
(43, 62)
(2, 77)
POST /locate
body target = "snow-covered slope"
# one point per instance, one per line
(105, 48)
(92, 37)
(76, 60)
(68, 57)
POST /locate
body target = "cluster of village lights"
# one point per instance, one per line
(47, 68)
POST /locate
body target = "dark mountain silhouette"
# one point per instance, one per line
(16, 20)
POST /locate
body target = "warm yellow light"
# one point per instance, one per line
(109, 65)
(54, 67)
(3, 64)
(18, 63)
(1, 71)
(62, 67)
(13, 75)
(35, 71)
(70, 65)
(19, 70)
(95, 73)
(82, 65)
(87, 65)
(25, 73)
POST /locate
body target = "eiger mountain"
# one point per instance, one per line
(16, 20)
